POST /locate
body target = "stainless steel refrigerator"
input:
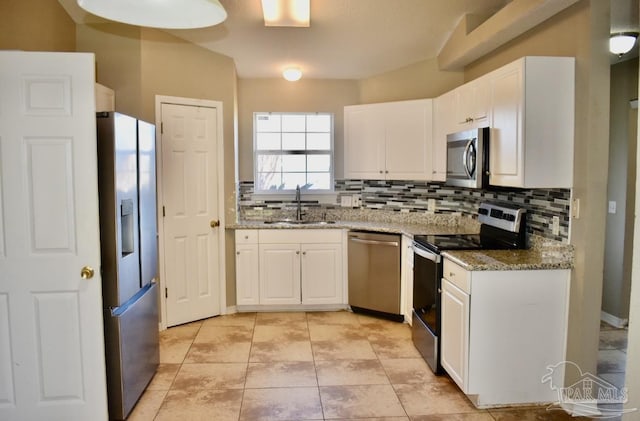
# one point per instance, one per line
(128, 237)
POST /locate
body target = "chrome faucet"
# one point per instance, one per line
(299, 212)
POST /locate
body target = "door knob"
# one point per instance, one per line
(214, 223)
(87, 272)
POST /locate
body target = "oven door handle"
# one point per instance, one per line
(426, 254)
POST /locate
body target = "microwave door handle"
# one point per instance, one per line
(465, 158)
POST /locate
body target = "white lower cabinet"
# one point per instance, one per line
(247, 281)
(289, 267)
(455, 343)
(321, 273)
(279, 274)
(501, 330)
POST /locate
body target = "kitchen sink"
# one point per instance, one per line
(296, 222)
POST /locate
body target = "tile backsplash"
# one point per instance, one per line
(413, 196)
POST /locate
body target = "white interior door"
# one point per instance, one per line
(51, 337)
(190, 199)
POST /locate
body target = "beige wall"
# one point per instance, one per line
(618, 253)
(256, 95)
(36, 25)
(118, 61)
(417, 81)
(580, 31)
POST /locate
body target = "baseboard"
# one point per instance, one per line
(231, 310)
(613, 320)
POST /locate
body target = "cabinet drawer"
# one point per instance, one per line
(246, 236)
(457, 275)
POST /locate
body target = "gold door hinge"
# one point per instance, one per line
(163, 212)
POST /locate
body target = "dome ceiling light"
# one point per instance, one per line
(622, 43)
(292, 74)
(165, 14)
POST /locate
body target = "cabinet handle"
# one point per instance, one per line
(297, 252)
(238, 253)
(304, 253)
(380, 171)
(451, 274)
(387, 171)
(246, 237)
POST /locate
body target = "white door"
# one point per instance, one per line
(51, 337)
(190, 206)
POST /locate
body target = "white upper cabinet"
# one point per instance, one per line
(472, 108)
(532, 121)
(364, 141)
(443, 123)
(389, 141)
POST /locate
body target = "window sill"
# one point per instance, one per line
(329, 197)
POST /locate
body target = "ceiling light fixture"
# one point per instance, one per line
(166, 14)
(622, 43)
(294, 13)
(292, 74)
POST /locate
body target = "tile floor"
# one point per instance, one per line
(304, 366)
(612, 354)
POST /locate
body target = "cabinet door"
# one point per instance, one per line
(322, 274)
(279, 274)
(506, 149)
(408, 140)
(364, 134)
(443, 124)
(455, 333)
(473, 104)
(247, 275)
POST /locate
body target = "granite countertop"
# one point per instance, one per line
(531, 259)
(409, 229)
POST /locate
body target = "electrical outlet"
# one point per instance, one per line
(355, 201)
(431, 205)
(575, 209)
(346, 201)
(612, 206)
(555, 225)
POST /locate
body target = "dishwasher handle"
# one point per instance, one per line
(374, 242)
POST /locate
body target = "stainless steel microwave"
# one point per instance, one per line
(468, 158)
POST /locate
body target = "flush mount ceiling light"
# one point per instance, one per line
(622, 43)
(166, 14)
(294, 13)
(292, 74)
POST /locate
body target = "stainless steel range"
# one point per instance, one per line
(501, 228)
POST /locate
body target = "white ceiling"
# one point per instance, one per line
(347, 39)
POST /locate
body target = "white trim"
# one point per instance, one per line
(613, 320)
(231, 310)
(293, 307)
(163, 99)
(634, 103)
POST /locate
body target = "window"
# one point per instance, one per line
(293, 149)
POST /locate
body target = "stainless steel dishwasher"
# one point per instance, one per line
(374, 274)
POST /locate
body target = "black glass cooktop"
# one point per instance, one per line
(439, 243)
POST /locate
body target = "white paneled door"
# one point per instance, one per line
(191, 213)
(51, 337)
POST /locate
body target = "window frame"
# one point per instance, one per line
(331, 152)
